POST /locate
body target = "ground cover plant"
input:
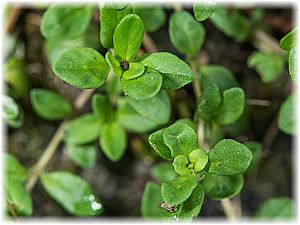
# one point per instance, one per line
(166, 112)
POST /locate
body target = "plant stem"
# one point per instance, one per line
(196, 82)
(229, 209)
(265, 42)
(39, 167)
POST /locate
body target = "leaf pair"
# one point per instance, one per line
(100, 124)
(177, 139)
(223, 109)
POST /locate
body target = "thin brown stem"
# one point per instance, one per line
(259, 102)
(229, 209)
(13, 18)
(265, 42)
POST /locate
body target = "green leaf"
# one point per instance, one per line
(14, 169)
(54, 47)
(178, 190)
(17, 197)
(232, 106)
(287, 118)
(219, 187)
(210, 100)
(276, 209)
(128, 37)
(154, 17)
(18, 121)
(186, 34)
(102, 107)
(289, 40)
(293, 63)
(16, 76)
(10, 108)
(176, 73)
(150, 201)
(113, 141)
(49, 105)
(163, 172)
(82, 67)
(192, 206)
(157, 142)
(143, 115)
(113, 86)
(219, 75)
(256, 150)
(180, 138)
(114, 64)
(180, 164)
(268, 65)
(143, 87)
(82, 130)
(135, 70)
(13, 113)
(72, 193)
(189, 122)
(84, 156)
(110, 17)
(233, 24)
(199, 158)
(229, 157)
(66, 22)
(203, 10)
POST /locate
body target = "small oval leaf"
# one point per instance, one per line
(14, 169)
(17, 196)
(232, 106)
(143, 87)
(178, 190)
(72, 193)
(229, 157)
(110, 17)
(84, 156)
(114, 64)
(82, 67)
(180, 138)
(65, 21)
(113, 141)
(286, 118)
(135, 70)
(82, 130)
(128, 37)
(49, 105)
(186, 34)
(157, 142)
(219, 187)
(176, 73)
(203, 10)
